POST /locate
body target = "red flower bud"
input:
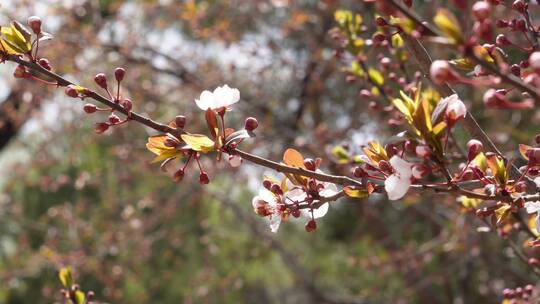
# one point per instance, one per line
(533, 262)
(180, 121)
(311, 226)
(474, 148)
(481, 10)
(90, 108)
(101, 80)
(276, 189)
(114, 119)
(295, 213)
(179, 175)
(203, 178)
(119, 74)
(71, 91)
(34, 22)
(309, 163)
(441, 72)
(127, 104)
(380, 21)
(537, 139)
(501, 40)
(423, 151)
(520, 187)
(358, 172)
(45, 63)
(519, 5)
(267, 184)
(101, 127)
(251, 124)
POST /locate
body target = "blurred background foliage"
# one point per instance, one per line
(70, 197)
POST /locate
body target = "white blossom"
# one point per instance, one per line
(534, 207)
(221, 97)
(397, 184)
(455, 109)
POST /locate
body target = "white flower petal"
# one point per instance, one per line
(532, 207)
(396, 186)
(275, 221)
(205, 101)
(321, 211)
(267, 196)
(235, 160)
(402, 167)
(329, 190)
(295, 195)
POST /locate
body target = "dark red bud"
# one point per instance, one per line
(295, 213)
(114, 119)
(381, 21)
(101, 127)
(127, 104)
(251, 124)
(90, 108)
(358, 172)
(311, 226)
(119, 74)
(45, 63)
(180, 121)
(474, 148)
(203, 178)
(519, 5)
(521, 187)
(179, 175)
(533, 262)
(101, 80)
(276, 189)
(267, 184)
(501, 40)
(34, 22)
(537, 139)
(71, 91)
(309, 163)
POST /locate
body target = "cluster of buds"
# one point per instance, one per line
(519, 295)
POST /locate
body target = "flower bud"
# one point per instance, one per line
(534, 61)
(71, 91)
(180, 121)
(441, 72)
(267, 184)
(492, 99)
(179, 175)
(45, 63)
(20, 72)
(358, 172)
(456, 109)
(423, 151)
(309, 163)
(311, 226)
(101, 80)
(408, 3)
(474, 148)
(537, 139)
(501, 40)
(516, 70)
(90, 108)
(380, 21)
(101, 127)
(533, 262)
(203, 178)
(519, 5)
(113, 119)
(34, 22)
(501, 23)
(127, 104)
(295, 212)
(534, 156)
(251, 124)
(119, 74)
(481, 10)
(520, 186)
(276, 189)
(419, 171)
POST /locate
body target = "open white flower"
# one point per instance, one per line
(534, 207)
(397, 184)
(265, 204)
(221, 97)
(455, 109)
(299, 195)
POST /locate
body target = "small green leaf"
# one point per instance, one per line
(448, 24)
(80, 298)
(199, 142)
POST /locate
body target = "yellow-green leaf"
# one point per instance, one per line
(80, 298)
(16, 40)
(199, 142)
(376, 76)
(523, 150)
(355, 193)
(448, 24)
(502, 213)
(65, 277)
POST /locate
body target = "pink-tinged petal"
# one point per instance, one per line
(532, 207)
(267, 196)
(396, 186)
(402, 167)
(235, 160)
(275, 221)
(205, 101)
(321, 211)
(455, 109)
